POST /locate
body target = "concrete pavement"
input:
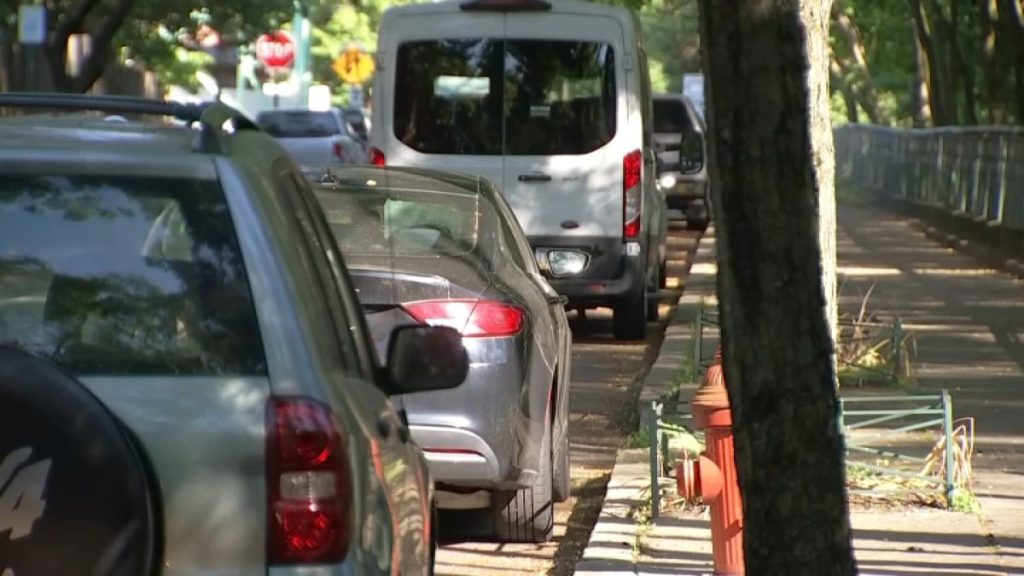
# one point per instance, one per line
(967, 322)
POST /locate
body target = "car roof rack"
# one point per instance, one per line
(216, 119)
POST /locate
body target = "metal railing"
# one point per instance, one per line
(976, 171)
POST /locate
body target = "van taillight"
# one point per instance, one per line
(632, 165)
(471, 318)
(309, 486)
(377, 157)
(338, 153)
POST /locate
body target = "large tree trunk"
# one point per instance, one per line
(771, 170)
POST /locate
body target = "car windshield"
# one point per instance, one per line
(670, 117)
(517, 97)
(125, 275)
(369, 220)
(299, 124)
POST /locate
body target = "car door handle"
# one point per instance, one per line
(534, 177)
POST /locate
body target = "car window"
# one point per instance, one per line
(670, 117)
(492, 97)
(299, 124)
(559, 96)
(377, 220)
(291, 188)
(512, 233)
(125, 275)
(356, 328)
(451, 99)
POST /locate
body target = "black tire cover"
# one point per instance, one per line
(97, 514)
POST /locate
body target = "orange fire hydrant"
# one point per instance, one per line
(712, 477)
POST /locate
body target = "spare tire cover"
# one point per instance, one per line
(74, 497)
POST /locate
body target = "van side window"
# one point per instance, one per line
(513, 97)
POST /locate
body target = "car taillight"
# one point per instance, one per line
(632, 164)
(338, 152)
(309, 486)
(471, 318)
(377, 157)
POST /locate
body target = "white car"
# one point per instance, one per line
(314, 138)
(552, 102)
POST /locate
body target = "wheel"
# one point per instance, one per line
(434, 523)
(75, 496)
(527, 515)
(652, 303)
(561, 477)
(697, 216)
(629, 320)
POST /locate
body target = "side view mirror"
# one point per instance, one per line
(425, 358)
(691, 152)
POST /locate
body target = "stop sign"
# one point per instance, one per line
(276, 49)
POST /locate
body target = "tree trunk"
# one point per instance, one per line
(994, 78)
(838, 75)
(862, 85)
(771, 170)
(920, 102)
(942, 112)
(95, 63)
(1013, 23)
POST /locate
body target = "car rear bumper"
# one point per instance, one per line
(615, 269)
(685, 190)
(481, 434)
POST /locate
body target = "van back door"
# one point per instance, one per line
(565, 123)
(446, 96)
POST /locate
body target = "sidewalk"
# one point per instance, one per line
(967, 322)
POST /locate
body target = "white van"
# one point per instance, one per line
(552, 101)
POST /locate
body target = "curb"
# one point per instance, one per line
(610, 550)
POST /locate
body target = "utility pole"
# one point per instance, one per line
(303, 38)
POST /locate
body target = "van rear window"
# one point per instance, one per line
(517, 97)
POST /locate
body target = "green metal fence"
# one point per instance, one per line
(976, 171)
(867, 422)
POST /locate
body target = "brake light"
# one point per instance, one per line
(377, 157)
(485, 318)
(632, 164)
(338, 152)
(309, 486)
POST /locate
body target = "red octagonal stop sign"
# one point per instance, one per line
(276, 49)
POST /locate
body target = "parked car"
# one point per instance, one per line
(357, 124)
(683, 175)
(187, 381)
(551, 100)
(314, 138)
(436, 248)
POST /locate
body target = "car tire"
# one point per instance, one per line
(434, 525)
(653, 303)
(69, 463)
(527, 515)
(697, 216)
(561, 475)
(629, 319)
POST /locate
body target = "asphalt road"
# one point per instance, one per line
(606, 380)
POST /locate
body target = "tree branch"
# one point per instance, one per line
(102, 39)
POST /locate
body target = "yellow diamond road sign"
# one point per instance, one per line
(354, 66)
